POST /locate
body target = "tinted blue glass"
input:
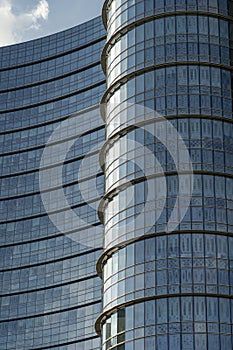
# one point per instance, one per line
(185, 70)
(50, 293)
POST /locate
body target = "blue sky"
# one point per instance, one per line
(22, 20)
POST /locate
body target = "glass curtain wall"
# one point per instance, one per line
(50, 291)
(167, 290)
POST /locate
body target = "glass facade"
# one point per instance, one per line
(167, 290)
(161, 289)
(50, 291)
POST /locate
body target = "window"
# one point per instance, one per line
(159, 54)
(181, 25)
(216, 77)
(149, 30)
(170, 76)
(170, 26)
(139, 315)
(193, 75)
(214, 28)
(170, 51)
(182, 75)
(162, 311)
(160, 78)
(121, 320)
(192, 24)
(159, 27)
(203, 27)
(204, 76)
(129, 317)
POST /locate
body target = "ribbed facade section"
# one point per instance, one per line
(167, 289)
(50, 291)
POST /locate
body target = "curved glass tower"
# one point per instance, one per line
(167, 169)
(167, 289)
(50, 291)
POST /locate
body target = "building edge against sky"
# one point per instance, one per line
(161, 290)
(50, 291)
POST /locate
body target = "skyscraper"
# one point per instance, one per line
(50, 291)
(165, 145)
(167, 289)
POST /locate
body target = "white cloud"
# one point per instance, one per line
(13, 27)
(42, 10)
(7, 23)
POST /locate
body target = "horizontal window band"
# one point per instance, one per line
(49, 58)
(60, 210)
(51, 347)
(112, 88)
(47, 238)
(130, 26)
(102, 318)
(47, 167)
(106, 254)
(115, 137)
(50, 313)
(49, 287)
(69, 184)
(88, 88)
(184, 57)
(43, 82)
(47, 262)
(113, 192)
(48, 144)
(36, 126)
